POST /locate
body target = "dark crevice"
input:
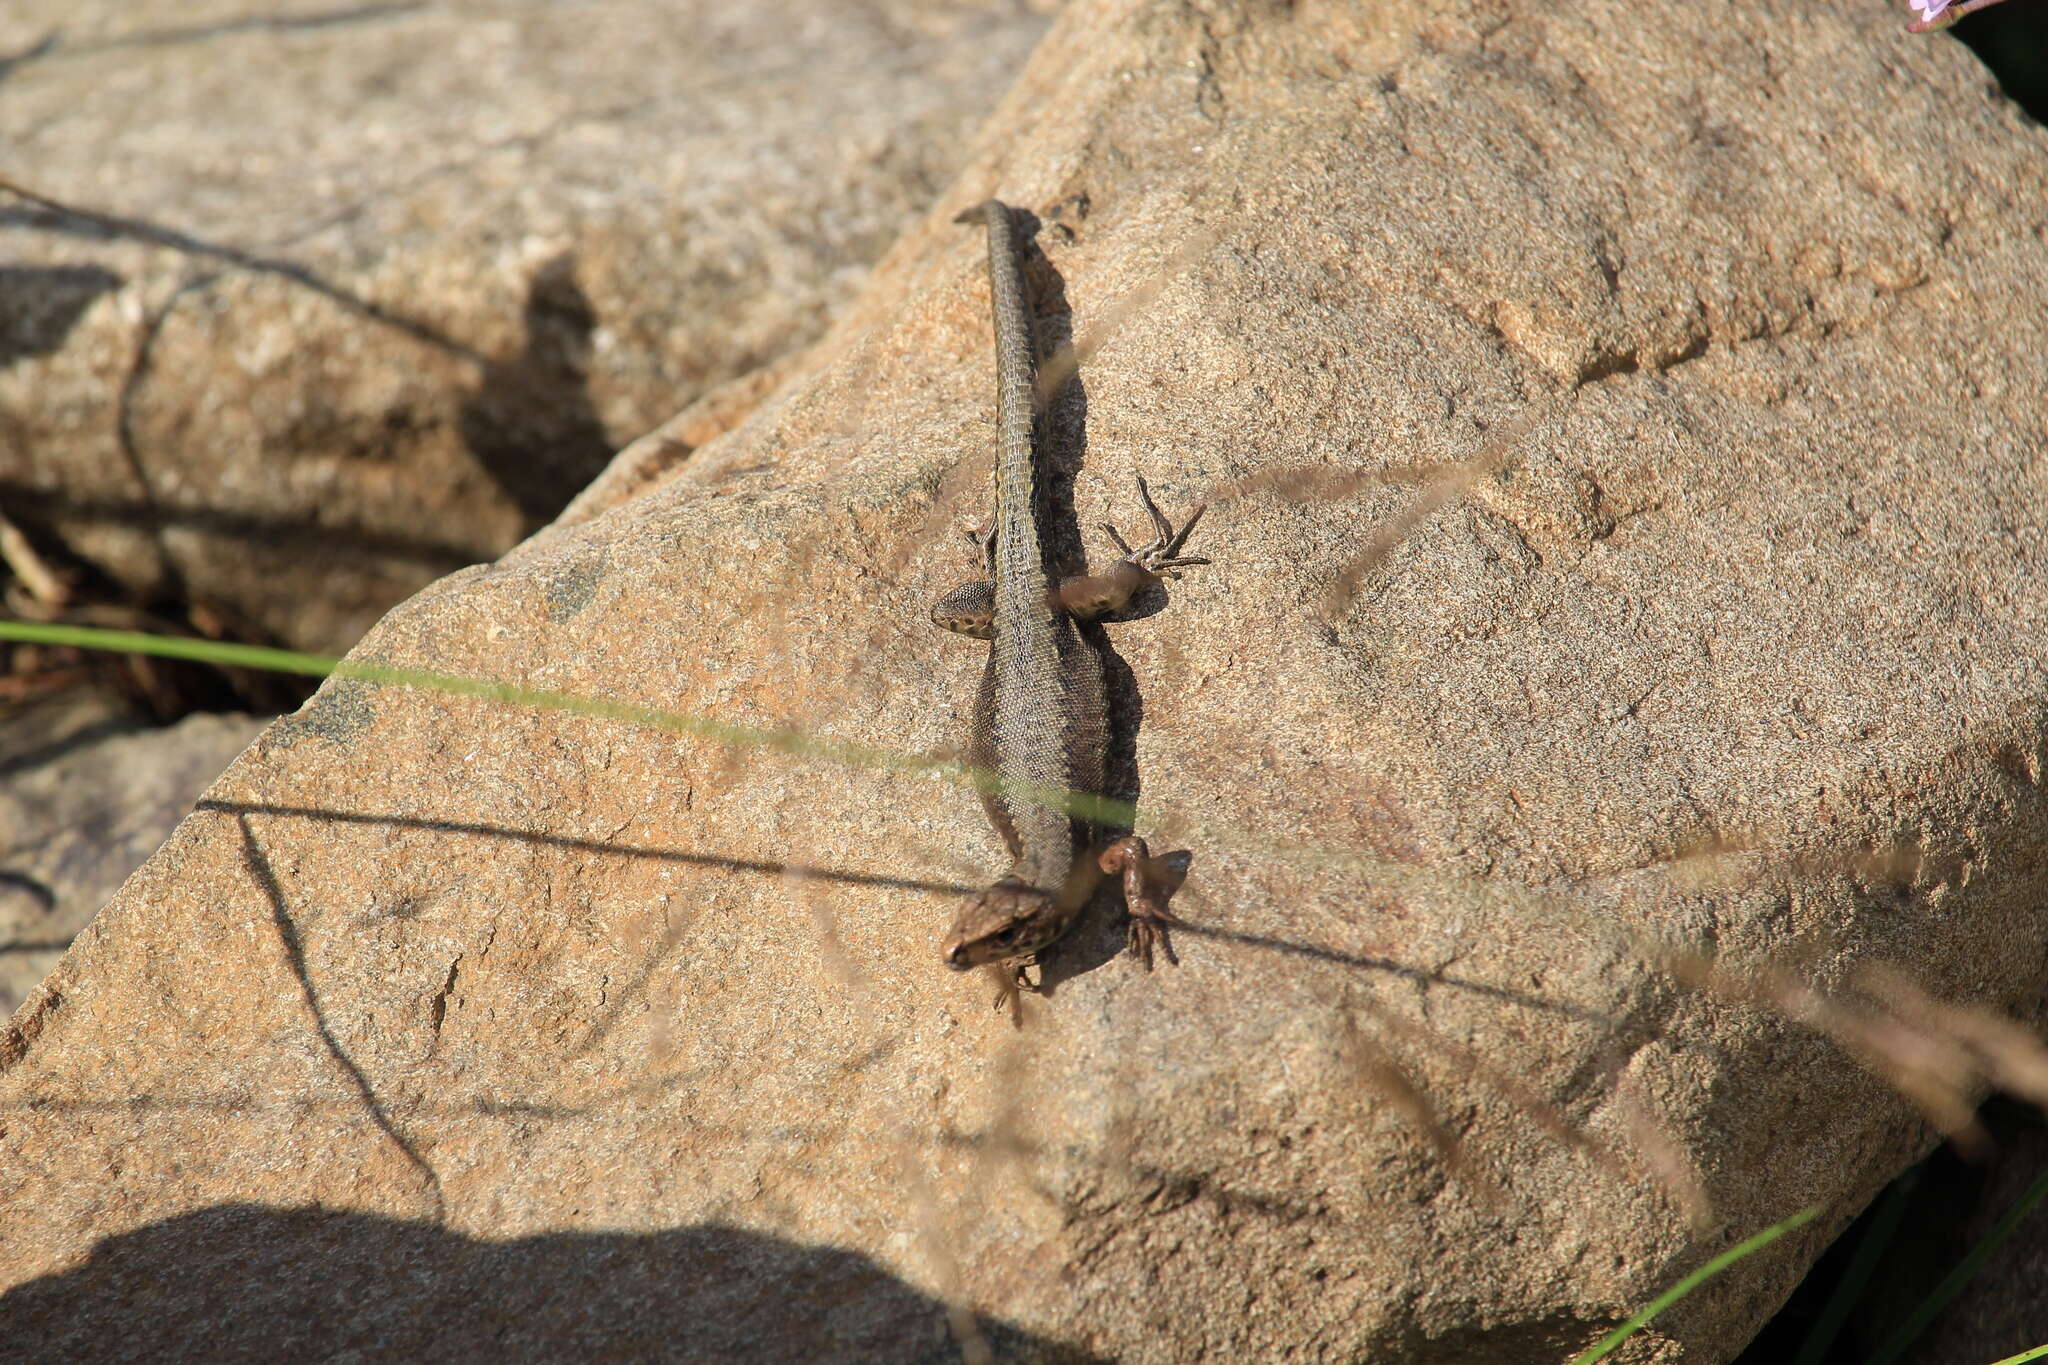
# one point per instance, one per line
(2012, 40)
(1862, 1295)
(1606, 365)
(437, 1008)
(1692, 350)
(1610, 363)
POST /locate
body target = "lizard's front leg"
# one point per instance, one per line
(1148, 884)
(1012, 980)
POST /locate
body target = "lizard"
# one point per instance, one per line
(1040, 720)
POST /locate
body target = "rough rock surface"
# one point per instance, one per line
(375, 289)
(86, 793)
(1763, 567)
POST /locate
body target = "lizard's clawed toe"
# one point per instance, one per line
(1013, 980)
(1161, 556)
(1147, 933)
(1148, 884)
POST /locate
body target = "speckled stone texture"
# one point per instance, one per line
(367, 292)
(1749, 608)
(88, 791)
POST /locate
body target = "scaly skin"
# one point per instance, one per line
(1041, 716)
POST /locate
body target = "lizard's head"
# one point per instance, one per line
(1010, 919)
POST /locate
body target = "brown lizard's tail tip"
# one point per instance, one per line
(977, 213)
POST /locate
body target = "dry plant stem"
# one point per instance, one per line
(1451, 484)
(1666, 1162)
(50, 593)
(938, 1252)
(1547, 1115)
(1331, 483)
(1700, 862)
(2011, 1056)
(1381, 1074)
(1064, 363)
(1928, 1060)
(1939, 1056)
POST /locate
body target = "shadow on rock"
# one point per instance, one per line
(44, 303)
(246, 1282)
(531, 423)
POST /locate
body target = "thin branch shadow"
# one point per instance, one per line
(34, 52)
(241, 809)
(288, 933)
(1358, 962)
(632, 991)
(601, 1028)
(39, 505)
(173, 35)
(51, 215)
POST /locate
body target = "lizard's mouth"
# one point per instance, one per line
(957, 957)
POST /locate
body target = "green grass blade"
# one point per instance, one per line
(1693, 1281)
(1088, 806)
(2023, 1357)
(171, 647)
(1965, 1270)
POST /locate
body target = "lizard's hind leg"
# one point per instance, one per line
(1162, 555)
(970, 609)
(1094, 596)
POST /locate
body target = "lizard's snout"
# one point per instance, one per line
(955, 954)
